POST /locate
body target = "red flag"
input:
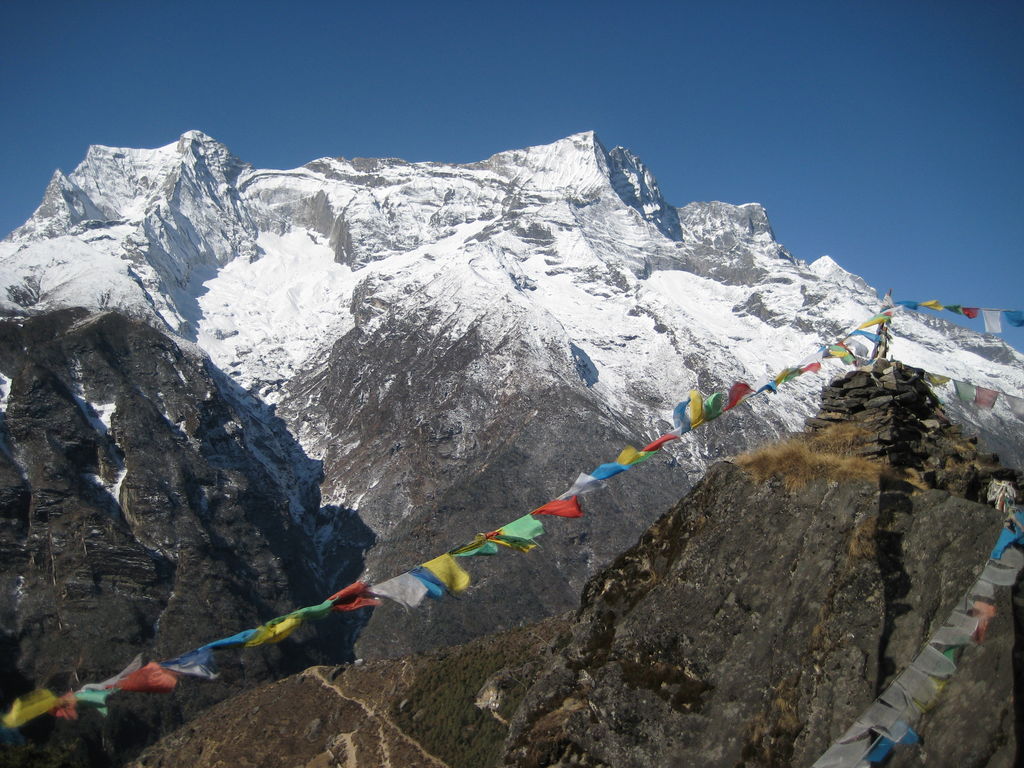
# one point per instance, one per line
(656, 445)
(737, 392)
(971, 312)
(152, 678)
(67, 709)
(985, 398)
(811, 367)
(985, 613)
(352, 597)
(561, 508)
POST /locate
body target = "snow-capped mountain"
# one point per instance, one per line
(457, 342)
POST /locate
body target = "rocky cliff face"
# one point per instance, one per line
(750, 625)
(147, 506)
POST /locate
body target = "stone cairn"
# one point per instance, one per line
(906, 426)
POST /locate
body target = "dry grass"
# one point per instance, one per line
(830, 454)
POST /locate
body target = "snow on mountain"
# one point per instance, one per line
(563, 261)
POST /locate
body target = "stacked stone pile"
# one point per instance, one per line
(906, 426)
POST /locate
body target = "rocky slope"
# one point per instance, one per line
(750, 625)
(148, 506)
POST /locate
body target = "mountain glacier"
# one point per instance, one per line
(456, 342)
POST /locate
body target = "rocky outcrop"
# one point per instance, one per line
(145, 507)
(751, 624)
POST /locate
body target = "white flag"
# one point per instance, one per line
(993, 321)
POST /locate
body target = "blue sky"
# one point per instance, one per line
(885, 134)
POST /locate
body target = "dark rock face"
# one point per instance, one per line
(145, 507)
(751, 626)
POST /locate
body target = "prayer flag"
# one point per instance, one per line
(985, 398)
(95, 699)
(956, 308)
(406, 590)
(1016, 319)
(197, 663)
(274, 631)
(984, 612)
(314, 612)
(965, 391)
(908, 304)
(67, 707)
(610, 469)
(1016, 405)
(873, 337)
(933, 304)
(786, 374)
(478, 546)
(681, 416)
(134, 665)
(434, 586)
(696, 409)
(936, 379)
(993, 324)
(152, 678)
(561, 507)
(229, 642)
(713, 406)
(450, 572)
(628, 456)
(876, 320)
(351, 598)
(657, 444)
(584, 484)
(811, 368)
(738, 392)
(526, 527)
(29, 707)
(1007, 537)
(971, 312)
(513, 542)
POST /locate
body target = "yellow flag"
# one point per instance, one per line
(696, 408)
(629, 455)
(29, 707)
(449, 572)
(274, 631)
(933, 304)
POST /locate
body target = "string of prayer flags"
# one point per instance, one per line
(405, 589)
(992, 317)
(449, 572)
(568, 507)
